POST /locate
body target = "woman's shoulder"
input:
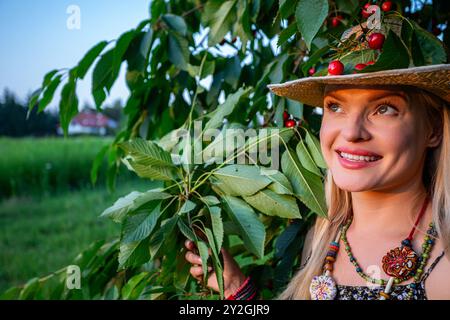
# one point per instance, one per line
(437, 284)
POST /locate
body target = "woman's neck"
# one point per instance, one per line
(389, 214)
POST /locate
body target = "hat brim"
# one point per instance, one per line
(310, 90)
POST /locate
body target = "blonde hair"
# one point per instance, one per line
(436, 176)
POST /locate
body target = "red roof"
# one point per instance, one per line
(96, 120)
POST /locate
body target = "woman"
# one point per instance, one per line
(385, 137)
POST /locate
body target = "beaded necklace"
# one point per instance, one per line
(400, 264)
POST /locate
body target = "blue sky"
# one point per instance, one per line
(34, 39)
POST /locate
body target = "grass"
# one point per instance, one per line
(47, 165)
(39, 235)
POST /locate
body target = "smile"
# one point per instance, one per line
(353, 161)
(356, 158)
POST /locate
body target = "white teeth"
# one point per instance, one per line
(357, 158)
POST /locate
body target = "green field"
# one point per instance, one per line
(47, 166)
(46, 229)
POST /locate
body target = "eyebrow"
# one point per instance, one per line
(377, 97)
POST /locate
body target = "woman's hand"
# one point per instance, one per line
(233, 277)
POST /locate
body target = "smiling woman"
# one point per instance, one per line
(387, 154)
(385, 137)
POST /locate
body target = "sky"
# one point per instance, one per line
(39, 36)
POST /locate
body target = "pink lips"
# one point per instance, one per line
(349, 164)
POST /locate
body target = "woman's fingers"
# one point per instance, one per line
(190, 245)
(193, 258)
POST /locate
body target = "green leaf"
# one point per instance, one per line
(314, 149)
(221, 22)
(217, 226)
(243, 180)
(187, 206)
(128, 290)
(217, 116)
(307, 186)
(416, 51)
(133, 254)
(118, 211)
(394, 55)
(89, 58)
(68, 106)
(30, 289)
(250, 227)
(161, 235)
(280, 184)
(286, 34)
(286, 8)
(210, 200)
(97, 163)
(306, 159)
(186, 230)
(49, 92)
(148, 159)
(147, 153)
(103, 77)
(178, 51)
(176, 23)
(310, 15)
(286, 238)
(204, 255)
(11, 294)
(274, 204)
(141, 224)
(121, 47)
(48, 77)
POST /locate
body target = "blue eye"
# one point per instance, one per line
(333, 107)
(384, 109)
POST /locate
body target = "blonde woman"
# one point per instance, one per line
(385, 137)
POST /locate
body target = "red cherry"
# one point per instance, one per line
(360, 66)
(311, 71)
(335, 21)
(335, 68)
(285, 115)
(386, 6)
(376, 41)
(370, 62)
(290, 123)
(366, 13)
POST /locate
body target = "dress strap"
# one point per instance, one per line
(425, 276)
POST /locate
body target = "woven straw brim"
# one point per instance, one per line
(310, 91)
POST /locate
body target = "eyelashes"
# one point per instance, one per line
(332, 106)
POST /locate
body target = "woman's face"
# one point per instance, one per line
(372, 138)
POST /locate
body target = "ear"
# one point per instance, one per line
(434, 139)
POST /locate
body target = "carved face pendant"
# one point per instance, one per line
(323, 287)
(400, 262)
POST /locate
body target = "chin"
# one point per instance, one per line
(353, 184)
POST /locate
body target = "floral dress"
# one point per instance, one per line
(399, 292)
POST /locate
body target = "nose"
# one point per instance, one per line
(355, 129)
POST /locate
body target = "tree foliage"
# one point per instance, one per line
(211, 61)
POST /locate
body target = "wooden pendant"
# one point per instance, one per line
(400, 262)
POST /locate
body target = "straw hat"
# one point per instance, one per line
(310, 91)
(434, 78)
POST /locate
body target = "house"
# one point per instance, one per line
(90, 122)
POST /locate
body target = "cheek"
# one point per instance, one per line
(328, 134)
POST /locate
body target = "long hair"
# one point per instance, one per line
(436, 178)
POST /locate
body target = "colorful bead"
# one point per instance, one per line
(323, 288)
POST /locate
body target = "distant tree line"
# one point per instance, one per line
(14, 122)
